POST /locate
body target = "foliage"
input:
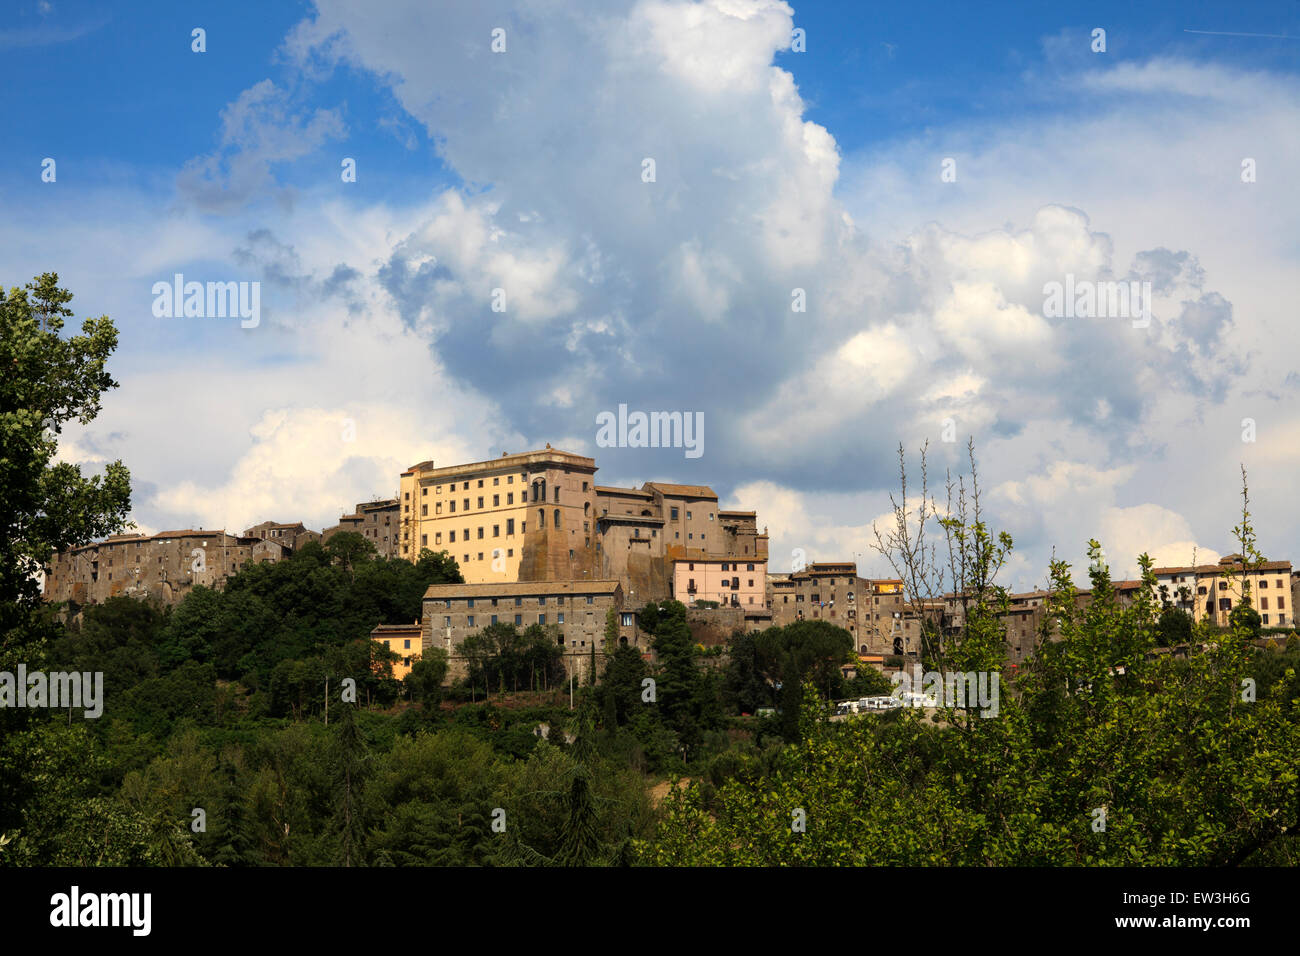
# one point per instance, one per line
(1173, 755)
(48, 380)
(500, 657)
(1174, 628)
(768, 668)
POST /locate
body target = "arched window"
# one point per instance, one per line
(557, 518)
(541, 517)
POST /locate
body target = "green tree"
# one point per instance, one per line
(48, 380)
(686, 699)
(348, 548)
(432, 797)
(351, 761)
(1245, 618)
(590, 817)
(1175, 627)
(611, 631)
(620, 687)
(426, 677)
(770, 666)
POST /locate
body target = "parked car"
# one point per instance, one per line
(913, 699)
(879, 703)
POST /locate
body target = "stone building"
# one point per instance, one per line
(165, 566)
(1026, 619)
(874, 612)
(1295, 593)
(574, 612)
(379, 522)
(1202, 591)
(643, 533)
(290, 536)
(716, 625)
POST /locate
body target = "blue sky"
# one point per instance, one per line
(777, 170)
(122, 92)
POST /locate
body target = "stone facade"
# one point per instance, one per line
(874, 612)
(573, 611)
(290, 536)
(1026, 617)
(165, 566)
(710, 626)
(379, 522)
(643, 533)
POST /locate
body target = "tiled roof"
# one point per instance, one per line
(1219, 568)
(682, 491)
(610, 490)
(521, 588)
(519, 458)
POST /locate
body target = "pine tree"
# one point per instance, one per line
(350, 772)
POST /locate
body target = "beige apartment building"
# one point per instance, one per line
(1205, 592)
(524, 517)
(540, 516)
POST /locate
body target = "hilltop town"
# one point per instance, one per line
(539, 541)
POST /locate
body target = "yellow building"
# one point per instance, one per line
(1204, 592)
(402, 639)
(523, 517)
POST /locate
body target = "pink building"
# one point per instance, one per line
(730, 582)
